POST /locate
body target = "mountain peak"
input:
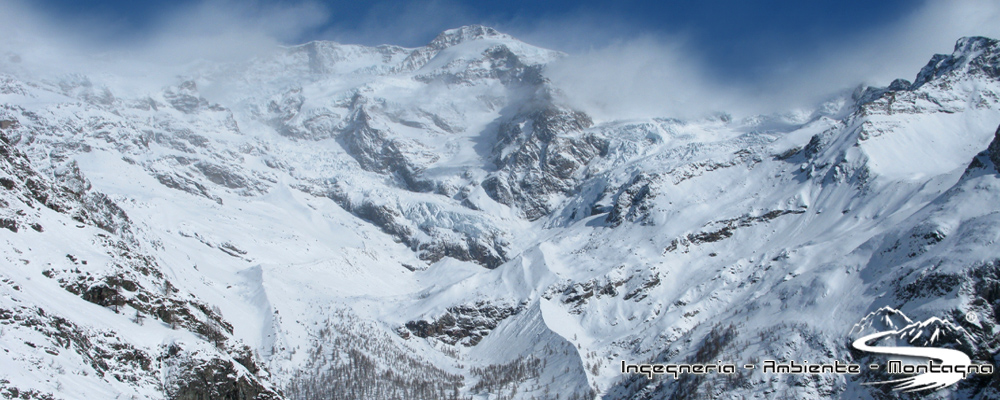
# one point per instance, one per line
(932, 331)
(883, 319)
(975, 54)
(973, 44)
(466, 33)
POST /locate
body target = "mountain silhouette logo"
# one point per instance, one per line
(944, 367)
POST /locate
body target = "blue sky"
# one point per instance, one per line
(705, 54)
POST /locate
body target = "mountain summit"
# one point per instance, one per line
(467, 33)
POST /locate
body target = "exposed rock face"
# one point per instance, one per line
(185, 98)
(376, 151)
(69, 193)
(577, 295)
(633, 202)
(487, 250)
(723, 229)
(421, 56)
(70, 177)
(465, 324)
(466, 33)
(175, 181)
(22, 181)
(222, 175)
(81, 87)
(467, 240)
(178, 139)
(285, 109)
(538, 154)
(193, 379)
(980, 54)
(497, 62)
(935, 84)
(129, 288)
(106, 353)
(131, 282)
(994, 150)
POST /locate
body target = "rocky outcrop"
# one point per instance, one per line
(465, 324)
(473, 241)
(183, 373)
(488, 250)
(497, 62)
(283, 112)
(223, 175)
(25, 184)
(134, 278)
(185, 98)
(980, 54)
(191, 378)
(185, 184)
(973, 58)
(634, 201)
(82, 88)
(993, 151)
(688, 171)
(419, 57)
(106, 354)
(126, 280)
(179, 139)
(66, 191)
(538, 154)
(376, 150)
(197, 176)
(577, 295)
(724, 229)
(136, 284)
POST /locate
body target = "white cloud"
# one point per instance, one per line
(890, 52)
(226, 29)
(615, 71)
(214, 30)
(639, 78)
(667, 76)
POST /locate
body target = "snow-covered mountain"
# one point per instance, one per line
(340, 221)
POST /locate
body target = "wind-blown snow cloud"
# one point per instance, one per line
(613, 70)
(639, 78)
(658, 75)
(895, 51)
(218, 30)
(226, 30)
